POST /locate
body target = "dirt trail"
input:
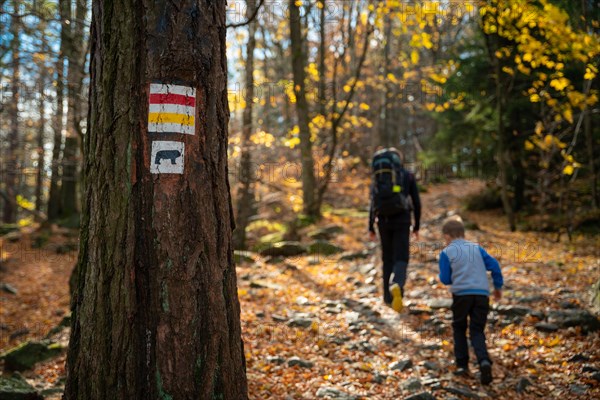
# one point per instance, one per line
(315, 326)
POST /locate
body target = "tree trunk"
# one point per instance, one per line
(39, 181)
(75, 55)
(298, 65)
(12, 167)
(156, 313)
(322, 56)
(384, 134)
(502, 152)
(54, 196)
(246, 192)
(589, 140)
(68, 187)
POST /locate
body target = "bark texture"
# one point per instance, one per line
(156, 313)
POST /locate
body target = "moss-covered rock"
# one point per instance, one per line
(326, 232)
(16, 388)
(27, 354)
(324, 248)
(7, 228)
(241, 256)
(284, 249)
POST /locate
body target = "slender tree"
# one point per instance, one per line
(13, 166)
(155, 312)
(54, 196)
(246, 192)
(298, 64)
(75, 53)
(39, 181)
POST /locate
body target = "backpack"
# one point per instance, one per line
(390, 188)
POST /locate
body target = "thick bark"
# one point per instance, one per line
(246, 192)
(155, 313)
(12, 167)
(298, 65)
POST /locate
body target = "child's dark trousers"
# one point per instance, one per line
(469, 310)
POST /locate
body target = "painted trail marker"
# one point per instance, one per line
(167, 157)
(172, 109)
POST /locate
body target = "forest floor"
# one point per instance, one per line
(316, 327)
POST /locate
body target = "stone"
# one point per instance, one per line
(241, 256)
(462, 391)
(431, 381)
(278, 260)
(430, 365)
(546, 327)
(300, 322)
(62, 325)
(401, 365)
(16, 388)
(419, 310)
(258, 284)
(275, 360)
(579, 358)
(412, 385)
(596, 376)
(5, 287)
(293, 361)
(513, 311)
(378, 378)
(568, 318)
(367, 269)
(421, 396)
(522, 384)
(590, 368)
(326, 232)
(357, 255)
(578, 390)
(323, 248)
(284, 249)
(333, 393)
(26, 355)
(530, 299)
(279, 318)
(437, 304)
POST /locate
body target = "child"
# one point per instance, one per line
(463, 265)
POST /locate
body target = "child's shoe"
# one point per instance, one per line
(486, 372)
(396, 297)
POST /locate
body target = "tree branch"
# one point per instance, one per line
(250, 18)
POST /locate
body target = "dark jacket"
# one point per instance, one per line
(403, 217)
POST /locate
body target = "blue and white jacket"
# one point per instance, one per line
(464, 265)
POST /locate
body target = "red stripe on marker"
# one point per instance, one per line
(172, 99)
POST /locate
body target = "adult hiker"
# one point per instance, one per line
(394, 195)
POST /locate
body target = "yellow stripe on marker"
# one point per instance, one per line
(182, 119)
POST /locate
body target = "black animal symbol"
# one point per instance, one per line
(167, 154)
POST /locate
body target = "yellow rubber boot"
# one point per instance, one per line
(396, 297)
